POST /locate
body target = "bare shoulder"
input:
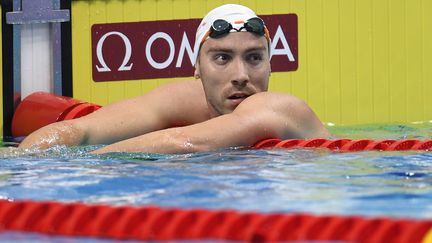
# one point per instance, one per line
(175, 100)
(183, 91)
(289, 115)
(167, 95)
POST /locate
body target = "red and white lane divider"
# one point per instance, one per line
(154, 223)
(348, 144)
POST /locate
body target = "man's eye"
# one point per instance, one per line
(221, 58)
(255, 57)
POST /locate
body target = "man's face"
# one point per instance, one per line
(232, 68)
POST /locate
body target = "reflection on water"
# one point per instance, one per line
(316, 181)
(396, 184)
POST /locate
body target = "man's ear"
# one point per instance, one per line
(197, 71)
(270, 69)
(196, 74)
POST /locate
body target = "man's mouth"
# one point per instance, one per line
(238, 96)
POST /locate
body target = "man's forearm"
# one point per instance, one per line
(61, 133)
(172, 140)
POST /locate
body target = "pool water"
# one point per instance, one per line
(393, 184)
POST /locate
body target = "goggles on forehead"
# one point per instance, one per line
(222, 27)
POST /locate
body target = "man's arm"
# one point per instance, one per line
(158, 109)
(65, 132)
(261, 116)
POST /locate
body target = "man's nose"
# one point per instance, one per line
(240, 73)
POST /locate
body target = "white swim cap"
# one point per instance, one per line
(232, 13)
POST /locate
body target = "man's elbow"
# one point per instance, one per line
(306, 123)
(61, 133)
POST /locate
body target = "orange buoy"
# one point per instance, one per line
(41, 108)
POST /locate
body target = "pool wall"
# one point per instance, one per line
(358, 61)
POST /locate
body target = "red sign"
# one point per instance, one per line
(162, 49)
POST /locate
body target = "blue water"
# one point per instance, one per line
(393, 184)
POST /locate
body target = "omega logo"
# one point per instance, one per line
(126, 58)
(185, 46)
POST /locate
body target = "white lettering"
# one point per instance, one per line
(126, 58)
(286, 50)
(185, 46)
(185, 49)
(170, 58)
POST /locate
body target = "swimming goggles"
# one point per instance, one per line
(222, 27)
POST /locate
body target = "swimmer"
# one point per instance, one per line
(227, 105)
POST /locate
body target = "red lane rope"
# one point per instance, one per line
(154, 223)
(348, 144)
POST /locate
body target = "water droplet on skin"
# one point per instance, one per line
(188, 144)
